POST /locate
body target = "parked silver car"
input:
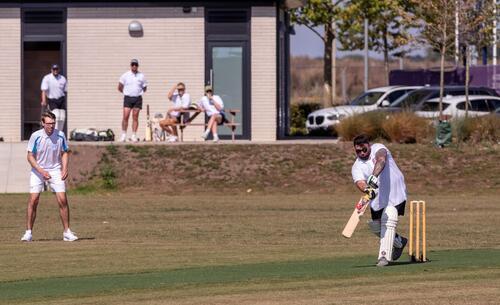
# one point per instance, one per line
(370, 100)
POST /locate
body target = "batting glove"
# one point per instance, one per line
(372, 182)
(370, 192)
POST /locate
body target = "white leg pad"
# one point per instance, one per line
(60, 118)
(374, 226)
(389, 222)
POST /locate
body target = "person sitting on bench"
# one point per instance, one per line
(214, 108)
(177, 94)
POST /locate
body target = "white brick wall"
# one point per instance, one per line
(10, 78)
(100, 48)
(263, 74)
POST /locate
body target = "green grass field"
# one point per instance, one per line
(245, 248)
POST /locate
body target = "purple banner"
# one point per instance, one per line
(485, 76)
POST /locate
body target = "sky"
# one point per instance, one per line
(306, 43)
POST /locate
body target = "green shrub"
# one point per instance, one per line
(108, 176)
(298, 117)
(369, 123)
(406, 127)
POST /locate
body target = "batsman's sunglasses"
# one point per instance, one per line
(362, 150)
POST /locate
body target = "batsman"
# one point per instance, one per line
(375, 173)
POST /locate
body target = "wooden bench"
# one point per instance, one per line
(193, 113)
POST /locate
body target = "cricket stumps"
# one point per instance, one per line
(417, 232)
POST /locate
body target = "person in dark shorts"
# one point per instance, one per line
(214, 109)
(376, 173)
(181, 101)
(53, 95)
(132, 84)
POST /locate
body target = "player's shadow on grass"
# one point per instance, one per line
(60, 239)
(393, 264)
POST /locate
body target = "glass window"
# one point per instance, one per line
(493, 104)
(479, 105)
(228, 81)
(461, 106)
(433, 106)
(411, 98)
(393, 96)
(368, 98)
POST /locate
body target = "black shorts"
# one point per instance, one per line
(224, 119)
(57, 103)
(378, 214)
(132, 102)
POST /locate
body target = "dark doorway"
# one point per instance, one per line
(227, 62)
(37, 59)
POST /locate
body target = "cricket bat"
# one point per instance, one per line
(359, 210)
(149, 131)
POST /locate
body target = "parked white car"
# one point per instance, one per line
(454, 106)
(368, 101)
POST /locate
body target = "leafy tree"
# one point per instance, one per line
(388, 27)
(322, 13)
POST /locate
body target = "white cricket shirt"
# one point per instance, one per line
(54, 86)
(47, 149)
(133, 83)
(180, 101)
(392, 188)
(208, 105)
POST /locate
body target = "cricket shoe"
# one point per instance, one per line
(204, 136)
(382, 262)
(216, 139)
(123, 138)
(396, 252)
(172, 139)
(69, 236)
(27, 237)
(134, 138)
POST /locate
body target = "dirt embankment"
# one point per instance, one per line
(294, 168)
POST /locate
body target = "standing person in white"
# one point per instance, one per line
(132, 84)
(48, 157)
(214, 109)
(54, 87)
(375, 170)
(181, 100)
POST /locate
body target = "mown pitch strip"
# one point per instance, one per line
(450, 265)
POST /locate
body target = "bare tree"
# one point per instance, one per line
(436, 21)
(475, 30)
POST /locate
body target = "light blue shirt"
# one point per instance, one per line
(48, 149)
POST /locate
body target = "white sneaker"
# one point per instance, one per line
(172, 139)
(134, 138)
(216, 139)
(204, 136)
(27, 237)
(123, 138)
(69, 236)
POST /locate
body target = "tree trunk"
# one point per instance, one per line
(327, 66)
(441, 80)
(467, 78)
(386, 58)
(334, 69)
